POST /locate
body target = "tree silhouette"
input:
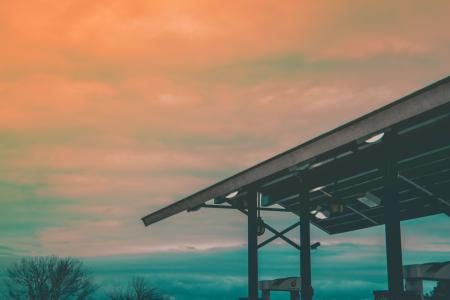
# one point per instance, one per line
(137, 289)
(48, 278)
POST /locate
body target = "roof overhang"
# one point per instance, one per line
(340, 159)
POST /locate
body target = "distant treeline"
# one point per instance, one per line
(65, 278)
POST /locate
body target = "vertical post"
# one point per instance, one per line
(252, 247)
(305, 241)
(392, 222)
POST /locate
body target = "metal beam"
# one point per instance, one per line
(352, 209)
(362, 214)
(274, 231)
(287, 240)
(252, 247)
(367, 160)
(411, 213)
(429, 271)
(392, 221)
(232, 207)
(279, 235)
(305, 239)
(425, 190)
(408, 107)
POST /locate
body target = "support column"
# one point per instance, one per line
(252, 247)
(295, 295)
(392, 220)
(305, 241)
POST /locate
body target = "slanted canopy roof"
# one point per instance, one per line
(342, 166)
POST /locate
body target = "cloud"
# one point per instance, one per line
(111, 110)
(8, 251)
(165, 36)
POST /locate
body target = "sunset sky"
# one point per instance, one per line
(112, 109)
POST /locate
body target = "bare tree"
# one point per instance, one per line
(48, 278)
(137, 289)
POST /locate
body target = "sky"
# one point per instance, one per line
(112, 109)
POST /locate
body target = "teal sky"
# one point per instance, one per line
(110, 110)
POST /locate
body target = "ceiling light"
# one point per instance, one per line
(232, 195)
(375, 138)
(318, 164)
(322, 215)
(316, 189)
(370, 200)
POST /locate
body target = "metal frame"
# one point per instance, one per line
(276, 234)
(281, 235)
(306, 290)
(253, 246)
(231, 207)
(444, 203)
(392, 222)
(340, 159)
(419, 102)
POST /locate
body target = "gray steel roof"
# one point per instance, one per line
(349, 167)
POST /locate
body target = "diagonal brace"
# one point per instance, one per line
(278, 235)
(274, 231)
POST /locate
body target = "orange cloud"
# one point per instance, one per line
(70, 36)
(121, 107)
